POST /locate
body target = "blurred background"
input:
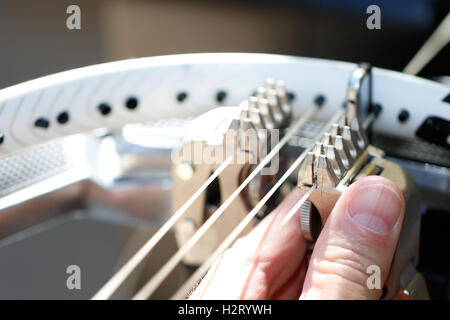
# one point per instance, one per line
(35, 41)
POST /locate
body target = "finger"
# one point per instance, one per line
(361, 231)
(260, 263)
(292, 287)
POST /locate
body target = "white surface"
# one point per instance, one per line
(157, 81)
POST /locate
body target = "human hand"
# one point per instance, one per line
(362, 230)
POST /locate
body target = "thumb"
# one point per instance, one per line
(361, 231)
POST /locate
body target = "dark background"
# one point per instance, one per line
(35, 41)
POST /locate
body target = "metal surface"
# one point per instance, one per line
(83, 211)
(243, 133)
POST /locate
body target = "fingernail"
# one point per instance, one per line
(375, 207)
